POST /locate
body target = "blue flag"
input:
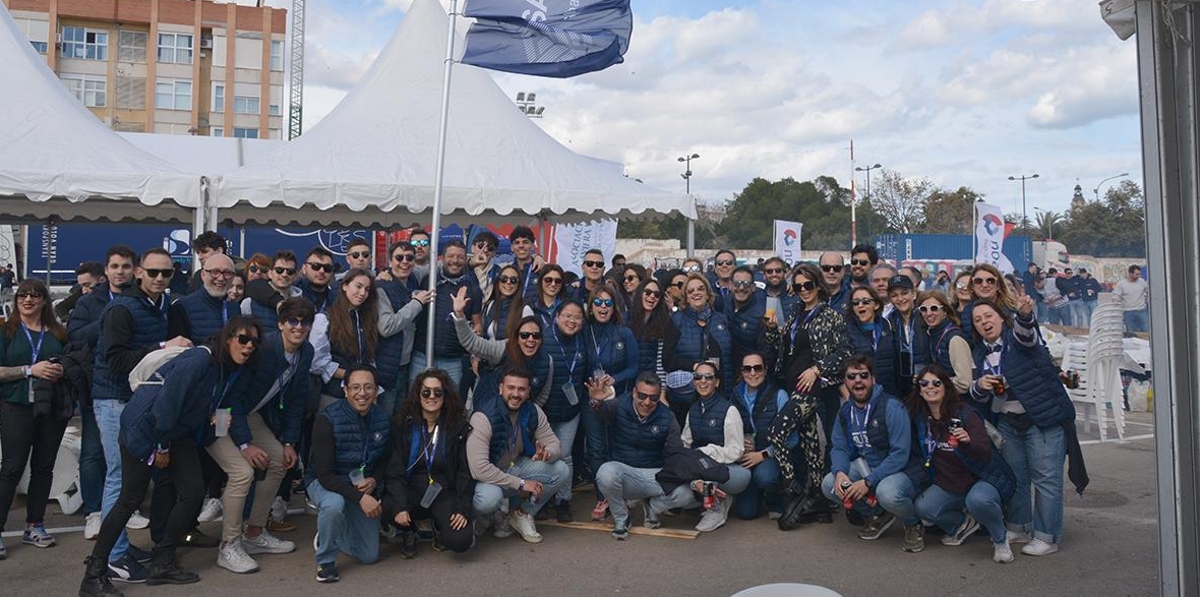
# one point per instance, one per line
(549, 38)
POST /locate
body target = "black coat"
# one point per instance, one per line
(403, 491)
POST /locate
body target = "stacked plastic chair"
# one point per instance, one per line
(1098, 361)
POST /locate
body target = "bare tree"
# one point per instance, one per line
(901, 201)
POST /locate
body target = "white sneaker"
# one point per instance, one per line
(92, 527)
(1037, 547)
(713, 519)
(500, 527)
(1018, 537)
(267, 543)
(1002, 552)
(522, 523)
(310, 507)
(137, 521)
(212, 510)
(279, 509)
(233, 557)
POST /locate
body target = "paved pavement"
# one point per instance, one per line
(1110, 548)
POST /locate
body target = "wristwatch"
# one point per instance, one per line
(521, 485)
(765, 454)
(28, 371)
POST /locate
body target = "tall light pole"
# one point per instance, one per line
(853, 215)
(1101, 183)
(1024, 214)
(687, 185)
(1049, 222)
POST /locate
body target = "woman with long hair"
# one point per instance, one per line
(674, 281)
(987, 284)
(962, 468)
(632, 277)
(947, 343)
(703, 336)
(961, 294)
(504, 304)
(30, 429)
(522, 347)
(346, 333)
(427, 475)
(237, 289)
(551, 281)
(656, 334)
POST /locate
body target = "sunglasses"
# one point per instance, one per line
(925, 383)
(325, 267)
(528, 335)
(860, 262)
(247, 340)
(645, 397)
(550, 281)
(434, 392)
(402, 257)
(859, 375)
(355, 255)
(508, 279)
(692, 269)
(725, 262)
(419, 243)
(982, 281)
(703, 376)
(632, 279)
(743, 283)
(863, 301)
(752, 368)
(678, 284)
(485, 247)
(285, 271)
(28, 295)
(254, 269)
(219, 273)
(831, 268)
(160, 273)
(774, 270)
(961, 285)
(804, 286)
(654, 294)
(296, 322)
(599, 302)
(929, 308)
(593, 264)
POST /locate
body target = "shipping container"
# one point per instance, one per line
(897, 248)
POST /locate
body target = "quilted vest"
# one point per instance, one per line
(359, 440)
(206, 315)
(565, 352)
(706, 418)
(149, 328)
(639, 443)
(390, 351)
(1032, 379)
(691, 340)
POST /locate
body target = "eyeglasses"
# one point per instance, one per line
(419, 243)
(366, 388)
(29, 295)
(160, 273)
(593, 264)
(599, 302)
(434, 392)
(528, 335)
(982, 281)
(863, 301)
(804, 286)
(645, 397)
(703, 376)
(831, 268)
(219, 273)
(247, 340)
(508, 279)
(554, 281)
(355, 255)
(324, 267)
(285, 271)
(743, 283)
(752, 368)
(654, 294)
(725, 262)
(860, 262)
(296, 322)
(571, 317)
(929, 308)
(925, 383)
(774, 270)
(860, 375)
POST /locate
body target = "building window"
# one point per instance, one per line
(173, 94)
(175, 47)
(81, 42)
(244, 133)
(274, 110)
(131, 46)
(216, 131)
(277, 55)
(41, 46)
(218, 98)
(91, 90)
(245, 105)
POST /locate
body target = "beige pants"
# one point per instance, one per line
(241, 477)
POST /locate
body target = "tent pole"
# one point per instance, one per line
(435, 233)
(51, 248)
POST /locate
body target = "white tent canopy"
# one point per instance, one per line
(57, 160)
(376, 153)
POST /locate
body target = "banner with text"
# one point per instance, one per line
(572, 241)
(787, 240)
(989, 237)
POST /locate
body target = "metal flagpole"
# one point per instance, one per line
(435, 233)
(853, 201)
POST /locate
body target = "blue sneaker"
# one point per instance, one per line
(327, 573)
(36, 535)
(126, 569)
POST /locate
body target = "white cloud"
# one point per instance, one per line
(959, 21)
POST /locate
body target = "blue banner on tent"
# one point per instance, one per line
(549, 38)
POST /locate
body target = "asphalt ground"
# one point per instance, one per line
(1109, 548)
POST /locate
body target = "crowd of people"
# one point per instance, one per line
(791, 391)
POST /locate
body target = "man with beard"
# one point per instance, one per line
(721, 278)
(833, 273)
(775, 271)
(201, 314)
(279, 285)
(448, 351)
(862, 259)
(745, 310)
(318, 273)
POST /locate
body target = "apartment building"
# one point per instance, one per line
(166, 66)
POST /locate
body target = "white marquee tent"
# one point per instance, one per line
(58, 161)
(376, 153)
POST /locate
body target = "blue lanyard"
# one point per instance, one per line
(796, 323)
(562, 349)
(595, 344)
(37, 349)
(528, 278)
(218, 399)
(430, 450)
(750, 407)
(224, 313)
(906, 339)
(930, 443)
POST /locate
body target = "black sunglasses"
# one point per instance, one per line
(725, 262)
(402, 257)
(982, 281)
(285, 271)
(645, 397)
(160, 273)
(743, 283)
(593, 264)
(925, 383)
(632, 279)
(652, 293)
(751, 368)
(247, 340)
(435, 392)
(554, 281)
(774, 270)
(678, 284)
(805, 286)
(860, 262)
(703, 376)
(528, 335)
(357, 255)
(859, 375)
(508, 279)
(831, 268)
(863, 301)
(27, 295)
(322, 267)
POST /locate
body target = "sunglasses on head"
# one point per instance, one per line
(652, 293)
(285, 271)
(703, 376)
(528, 335)
(323, 267)
(247, 340)
(773, 270)
(297, 322)
(804, 286)
(743, 283)
(29, 295)
(402, 257)
(982, 281)
(863, 301)
(554, 281)
(860, 262)
(831, 268)
(160, 273)
(925, 383)
(930, 308)
(424, 242)
(508, 279)
(859, 375)
(358, 255)
(752, 368)
(593, 264)
(434, 392)
(599, 302)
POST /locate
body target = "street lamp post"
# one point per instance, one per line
(853, 210)
(868, 170)
(1024, 213)
(1101, 183)
(687, 185)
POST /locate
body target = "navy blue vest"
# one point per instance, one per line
(1032, 379)
(939, 343)
(149, 329)
(706, 418)
(639, 443)
(502, 428)
(877, 429)
(608, 347)
(900, 383)
(765, 410)
(445, 338)
(206, 315)
(359, 440)
(565, 352)
(390, 350)
(691, 340)
(265, 315)
(746, 325)
(320, 304)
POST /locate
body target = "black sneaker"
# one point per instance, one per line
(327, 573)
(127, 569)
(195, 538)
(562, 511)
(408, 544)
(141, 556)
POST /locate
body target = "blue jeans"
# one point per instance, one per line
(1043, 312)
(895, 494)
(1083, 317)
(620, 483)
(1036, 456)
(764, 487)
(945, 509)
(596, 444)
(565, 432)
(108, 419)
(684, 497)
(1060, 315)
(453, 366)
(552, 475)
(91, 462)
(343, 527)
(1137, 320)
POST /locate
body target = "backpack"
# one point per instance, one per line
(146, 371)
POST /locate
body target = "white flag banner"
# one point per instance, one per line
(574, 240)
(8, 247)
(787, 240)
(989, 237)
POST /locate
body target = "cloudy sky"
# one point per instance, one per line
(964, 92)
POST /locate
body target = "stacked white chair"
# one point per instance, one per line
(1097, 362)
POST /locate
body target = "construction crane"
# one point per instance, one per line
(296, 95)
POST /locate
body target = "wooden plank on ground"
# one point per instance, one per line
(635, 530)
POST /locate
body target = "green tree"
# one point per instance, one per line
(1112, 227)
(951, 212)
(1046, 222)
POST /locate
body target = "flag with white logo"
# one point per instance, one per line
(787, 240)
(989, 237)
(548, 38)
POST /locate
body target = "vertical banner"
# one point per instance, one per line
(571, 241)
(989, 237)
(787, 240)
(8, 249)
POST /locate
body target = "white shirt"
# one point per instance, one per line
(1134, 295)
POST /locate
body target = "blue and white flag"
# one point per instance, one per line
(548, 38)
